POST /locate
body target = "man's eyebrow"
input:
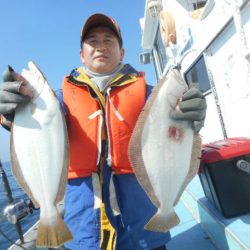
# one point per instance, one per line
(90, 36)
(93, 35)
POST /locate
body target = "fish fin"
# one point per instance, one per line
(64, 173)
(194, 165)
(18, 173)
(53, 233)
(137, 162)
(162, 222)
(135, 147)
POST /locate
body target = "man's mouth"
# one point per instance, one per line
(101, 57)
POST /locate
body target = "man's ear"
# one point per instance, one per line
(81, 56)
(122, 54)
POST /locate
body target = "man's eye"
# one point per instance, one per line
(108, 40)
(91, 40)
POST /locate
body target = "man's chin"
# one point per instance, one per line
(101, 68)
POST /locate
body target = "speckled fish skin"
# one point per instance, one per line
(39, 155)
(164, 152)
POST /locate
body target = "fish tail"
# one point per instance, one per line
(52, 234)
(162, 222)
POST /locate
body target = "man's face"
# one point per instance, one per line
(101, 52)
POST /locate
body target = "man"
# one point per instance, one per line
(105, 207)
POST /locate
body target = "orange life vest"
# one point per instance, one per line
(127, 98)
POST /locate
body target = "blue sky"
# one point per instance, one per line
(48, 32)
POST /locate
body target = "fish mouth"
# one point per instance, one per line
(34, 74)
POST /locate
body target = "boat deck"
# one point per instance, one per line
(201, 226)
(188, 234)
(233, 233)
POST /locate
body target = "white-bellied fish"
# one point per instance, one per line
(40, 155)
(164, 152)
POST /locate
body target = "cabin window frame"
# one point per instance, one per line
(197, 74)
(159, 54)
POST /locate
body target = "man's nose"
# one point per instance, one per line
(101, 45)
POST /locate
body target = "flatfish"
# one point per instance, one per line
(164, 153)
(40, 155)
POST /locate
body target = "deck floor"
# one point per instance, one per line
(188, 235)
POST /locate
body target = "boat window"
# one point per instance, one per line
(198, 4)
(161, 51)
(198, 74)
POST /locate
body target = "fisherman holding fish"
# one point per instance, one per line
(105, 206)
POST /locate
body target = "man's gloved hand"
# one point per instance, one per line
(12, 93)
(192, 108)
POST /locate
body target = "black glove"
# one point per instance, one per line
(192, 108)
(10, 96)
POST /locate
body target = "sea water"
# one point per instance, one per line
(6, 227)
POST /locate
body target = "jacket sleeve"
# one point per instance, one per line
(59, 95)
(149, 90)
